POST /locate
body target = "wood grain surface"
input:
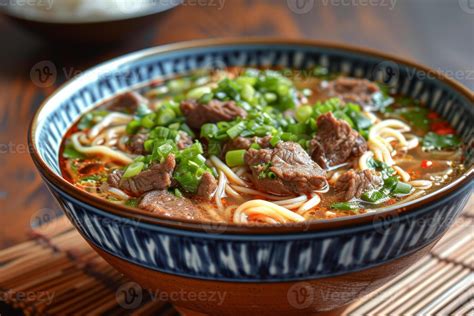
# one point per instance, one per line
(437, 33)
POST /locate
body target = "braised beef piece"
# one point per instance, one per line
(184, 140)
(136, 142)
(353, 183)
(335, 142)
(127, 102)
(286, 169)
(352, 90)
(213, 112)
(245, 143)
(207, 186)
(167, 204)
(157, 177)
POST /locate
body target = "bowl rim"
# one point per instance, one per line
(229, 228)
(154, 8)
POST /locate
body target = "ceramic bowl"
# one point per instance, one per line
(295, 269)
(90, 29)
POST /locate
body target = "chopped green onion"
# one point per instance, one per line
(235, 130)
(275, 140)
(131, 202)
(178, 85)
(214, 148)
(71, 153)
(161, 132)
(185, 128)
(148, 145)
(435, 141)
(402, 188)
(178, 193)
(165, 116)
(133, 169)
(255, 146)
(373, 196)
(297, 129)
(270, 97)
(133, 127)
(303, 113)
(235, 158)
(209, 130)
(148, 121)
(345, 206)
(198, 92)
(206, 98)
(248, 92)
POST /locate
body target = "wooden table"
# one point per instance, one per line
(434, 32)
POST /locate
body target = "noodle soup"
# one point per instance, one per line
(261, 146)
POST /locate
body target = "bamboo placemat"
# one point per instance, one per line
(57, 273)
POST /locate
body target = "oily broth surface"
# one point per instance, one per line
(90, 173)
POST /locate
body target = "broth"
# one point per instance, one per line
(261, 146)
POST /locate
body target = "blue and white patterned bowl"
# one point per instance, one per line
(344, 256)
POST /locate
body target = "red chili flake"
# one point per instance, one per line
(438, 125)
(426, 164)
(446, 131)
(442, 128)
(433, 115)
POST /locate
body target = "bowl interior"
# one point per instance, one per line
(452, 101)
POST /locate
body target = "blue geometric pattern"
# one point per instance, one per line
(264, 258)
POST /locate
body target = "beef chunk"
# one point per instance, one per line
(207, 187)
(353, 183)
(245, 143)
(136, 142)
(184, 140)
(286, 169)
(157, 177)
(213, 112)
(127, 102)
(335, 142)
(352, 90)
(167, 204)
